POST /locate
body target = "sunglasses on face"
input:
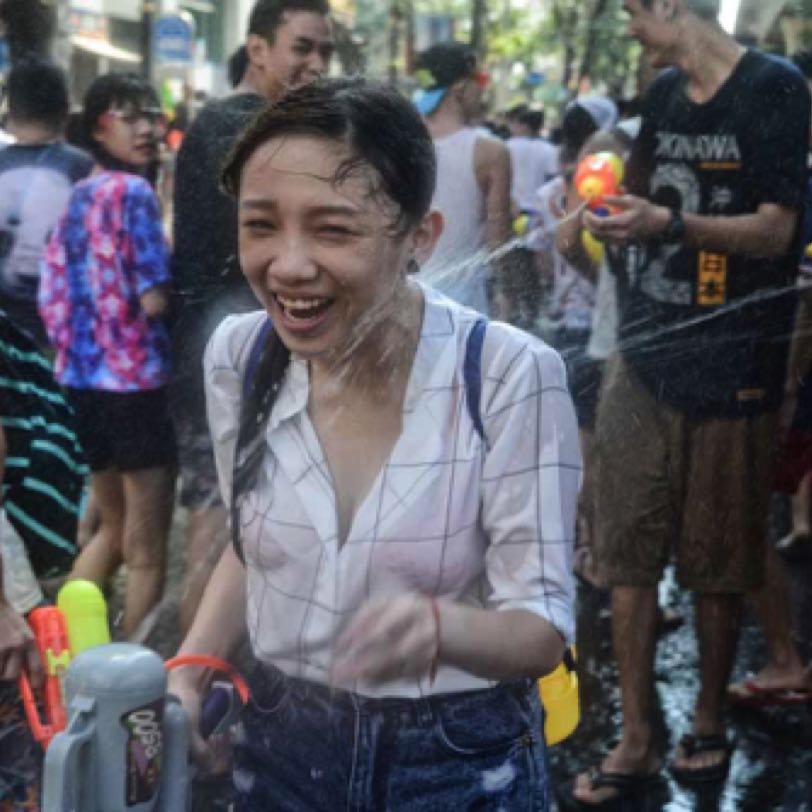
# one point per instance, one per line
(152, 115)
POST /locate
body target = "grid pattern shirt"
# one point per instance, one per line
(483, 523)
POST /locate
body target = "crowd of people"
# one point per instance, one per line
(408, 386)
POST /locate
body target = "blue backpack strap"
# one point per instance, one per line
(263, 375)
(472, 373)
(254, 357)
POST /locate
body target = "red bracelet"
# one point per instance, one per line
(435, 610)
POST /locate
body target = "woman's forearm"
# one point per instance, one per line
(219, 625)
(498, 645)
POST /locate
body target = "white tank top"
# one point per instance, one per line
(457, 268)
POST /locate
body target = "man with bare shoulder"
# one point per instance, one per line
(473, 177)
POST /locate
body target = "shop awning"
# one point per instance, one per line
(104, 48)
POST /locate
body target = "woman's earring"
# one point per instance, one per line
(413, 266)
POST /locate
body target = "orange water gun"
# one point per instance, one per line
(598, 176)
(51, 635)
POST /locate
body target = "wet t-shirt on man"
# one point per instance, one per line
(707, 332)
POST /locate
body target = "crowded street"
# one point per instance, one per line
(406, 405)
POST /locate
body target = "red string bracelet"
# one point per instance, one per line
(435, 610)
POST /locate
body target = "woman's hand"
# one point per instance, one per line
(213, 755)
(18, 649)
(155, 302)
(387, 640)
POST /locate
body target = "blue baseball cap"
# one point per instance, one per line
(427, 101)
(439, 67)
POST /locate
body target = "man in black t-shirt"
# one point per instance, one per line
(37, 173)
(703, 245)
(289, 43)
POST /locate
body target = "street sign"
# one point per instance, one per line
(173, 39)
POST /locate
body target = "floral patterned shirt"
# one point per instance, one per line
(107, 250)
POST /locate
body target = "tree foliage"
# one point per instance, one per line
(586, 37)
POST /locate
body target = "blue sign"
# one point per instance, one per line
(173, 39)
(5, 60)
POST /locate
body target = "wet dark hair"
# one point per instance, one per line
(379, 126)
(446, 63)
(237, 65)
(38, 93)
(528, 117)
(576, 128)
(516, 112)
(268, 15)
(112, 90)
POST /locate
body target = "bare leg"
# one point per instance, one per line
(206, 537)
(88, 522)
(149, 499)
(634, 624)
(801, 506)
(800, 532)
(717, 628)
(584, 564)
(783, 670)
(101, 557)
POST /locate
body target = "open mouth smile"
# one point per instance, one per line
(303, 313)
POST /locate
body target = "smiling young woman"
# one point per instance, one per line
(102, 298)
(402, 559)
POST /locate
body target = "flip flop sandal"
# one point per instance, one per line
(794, 548)
(749, 694)
(627, 785)
(693, 745)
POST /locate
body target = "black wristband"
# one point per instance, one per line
(675, 230)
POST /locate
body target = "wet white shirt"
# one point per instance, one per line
(486, 527)
(533, 162)
(458, 265)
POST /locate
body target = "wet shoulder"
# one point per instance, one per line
(77, 162)
(231, 343)
(224, 117)
(764, 71)
(518, 365)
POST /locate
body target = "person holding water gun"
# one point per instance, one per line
(402, 476)
(43, 475)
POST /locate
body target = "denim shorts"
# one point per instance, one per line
(304, 748)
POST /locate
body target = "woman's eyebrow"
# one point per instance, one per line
(336, 208)
(257, 203)
(264, 204)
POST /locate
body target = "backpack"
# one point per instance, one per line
(264, 372)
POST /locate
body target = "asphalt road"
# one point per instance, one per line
(771, 767)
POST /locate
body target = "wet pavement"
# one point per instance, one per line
(771, 768)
